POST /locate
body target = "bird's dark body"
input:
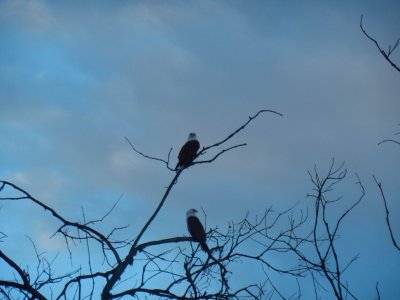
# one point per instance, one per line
(187, 153)
(197, 232)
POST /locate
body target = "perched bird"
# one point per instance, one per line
(188, 151)
(196, 229)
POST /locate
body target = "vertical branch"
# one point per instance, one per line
(324, 246)
(89, 257)
(388, 224)
(116, 275)
(190, 279)
(378, 295)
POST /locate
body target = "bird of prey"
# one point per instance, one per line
(196, 229)
(188, 151)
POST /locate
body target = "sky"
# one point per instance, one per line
(77, 78)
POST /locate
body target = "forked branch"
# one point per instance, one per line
(120, 268)
(195, 272)
(385, 54)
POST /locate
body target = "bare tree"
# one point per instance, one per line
(313, 237)
(325, 230)
(186, 272)
(177, 268)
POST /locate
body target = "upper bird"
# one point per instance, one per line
(196, 229)
(188, 151)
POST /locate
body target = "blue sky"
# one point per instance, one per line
(75, 79)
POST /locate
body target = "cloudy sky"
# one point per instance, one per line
(76, 78)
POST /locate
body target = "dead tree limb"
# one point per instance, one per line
(120, 268)
(388, 223)
(317, 250)
(385, 54)
(190, 274)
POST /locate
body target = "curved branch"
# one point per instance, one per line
(82, 227)
(218, 154)
(387, 54)
(387, 214)
(13, 265)
(251, 118)
(22, 287)
(141, 247)
(78, 280)
(393, 141)
(151, 157)
(155, 292)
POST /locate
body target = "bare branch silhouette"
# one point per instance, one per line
(118, 271)
(151, 157)
(321, 239)
(251, 118)
(179, 262)
(94, 234)
(385, 54)
(196, 277)
(388, 140)
(389, 226)
(177, 268)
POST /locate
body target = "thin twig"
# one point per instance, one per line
(166, 162)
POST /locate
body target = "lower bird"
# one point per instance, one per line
(196, 229)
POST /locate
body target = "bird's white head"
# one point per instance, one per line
(192, 136)
(191, 213)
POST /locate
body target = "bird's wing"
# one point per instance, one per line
(196, 230)
(188, 150)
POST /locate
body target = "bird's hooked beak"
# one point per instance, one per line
(195, 210)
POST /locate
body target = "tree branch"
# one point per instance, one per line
(151, 157)
(92, 232)
(387, 214)
(387, 54)
(392, 141)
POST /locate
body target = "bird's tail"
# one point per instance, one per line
(205, 248)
